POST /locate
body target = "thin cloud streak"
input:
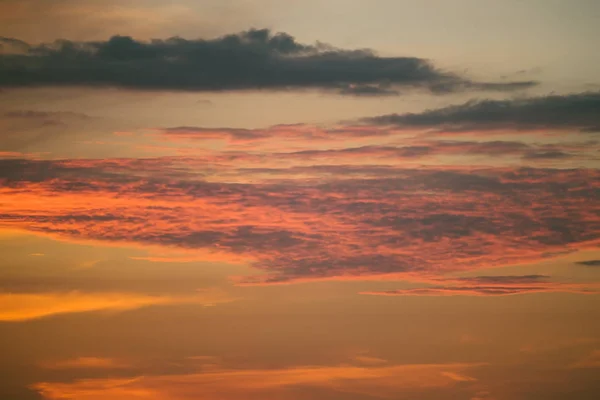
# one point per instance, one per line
(574, 112)
(16, 307)
(275, 383)
(493, 286)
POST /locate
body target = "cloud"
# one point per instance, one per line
(458, 377)
(504, 279)
(589, 263)
(15, 307)
(427, 221)
(251, 60)
(481, 291)
(321, 381)
(579, 111)
(301, 135)
(493, 286)
(305, 143)
(12, 45)
(547, 155)
(47, 117)
(21, 128)
(260, 147)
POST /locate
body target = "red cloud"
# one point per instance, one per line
(406, 221)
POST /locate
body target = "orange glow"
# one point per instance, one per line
(27, 306)
(229, 384)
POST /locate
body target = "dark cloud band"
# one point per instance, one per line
(579, 111)
(251, 60)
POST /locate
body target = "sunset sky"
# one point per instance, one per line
(298, 200)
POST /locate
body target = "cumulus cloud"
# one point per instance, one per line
(579, 111)
(251, 60)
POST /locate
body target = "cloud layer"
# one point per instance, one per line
(423, 221)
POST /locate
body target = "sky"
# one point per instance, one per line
(259, 199)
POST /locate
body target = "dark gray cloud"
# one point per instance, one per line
(579, 111)
(505, 279)
(589, 263)
(547, 155)
(251, 60)
(8, 44)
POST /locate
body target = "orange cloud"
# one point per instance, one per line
(386, 381)
(16, 307)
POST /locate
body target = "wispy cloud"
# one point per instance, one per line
(589, 263)
(493, 286)
(323, 381)
(16, 307)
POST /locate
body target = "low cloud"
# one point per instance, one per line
(251, 60)
(589, 263)
(579, 112)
